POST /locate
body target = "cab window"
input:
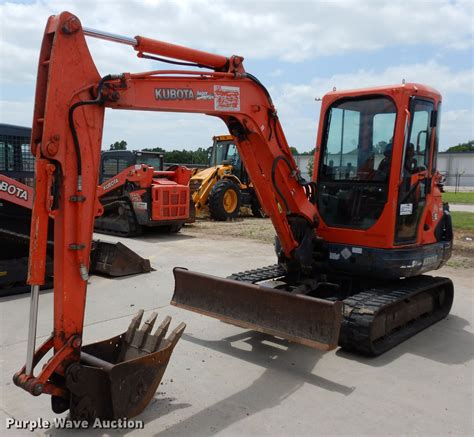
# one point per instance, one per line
(359, 140)
(154, 161)
(356, 159)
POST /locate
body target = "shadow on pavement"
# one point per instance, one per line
(288, 366)
(154, 236)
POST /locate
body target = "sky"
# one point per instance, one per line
(299, 49)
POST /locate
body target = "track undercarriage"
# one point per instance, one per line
(376, 315)
(118, 219)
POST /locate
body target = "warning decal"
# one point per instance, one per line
(226, 98)
(406, 209)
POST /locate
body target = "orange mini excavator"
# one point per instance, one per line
(352, 244)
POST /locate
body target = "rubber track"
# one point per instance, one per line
(134, 227)
(361, 310)
(257, 275)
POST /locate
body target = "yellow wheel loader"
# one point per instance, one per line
(224, 187)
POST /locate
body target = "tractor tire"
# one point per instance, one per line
(224, 200)
(257, 210)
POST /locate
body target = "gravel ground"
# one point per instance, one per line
(262, 230)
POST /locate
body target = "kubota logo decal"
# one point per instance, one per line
(226, 98)
(13, 190)
(174, 94)
(111, 184)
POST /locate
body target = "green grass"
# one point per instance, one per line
(458, 197)
(463, 220)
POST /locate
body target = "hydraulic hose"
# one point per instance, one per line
(97, 101)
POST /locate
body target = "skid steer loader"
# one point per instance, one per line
(16, 202)
(137, 193)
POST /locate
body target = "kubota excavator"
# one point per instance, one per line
(352, 246)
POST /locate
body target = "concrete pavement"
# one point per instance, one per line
(230, 381)
(461, 207)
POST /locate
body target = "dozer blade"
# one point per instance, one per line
(116, 259)
(118, 377)
(302, 319)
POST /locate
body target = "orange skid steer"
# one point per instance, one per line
(142, 196)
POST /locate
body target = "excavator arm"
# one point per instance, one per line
(119, 376)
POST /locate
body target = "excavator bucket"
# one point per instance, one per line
(116, 259)
(302, 319)
(118, 377)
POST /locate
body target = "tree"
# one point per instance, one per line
(310, 166)
(119, 145)
(294, 150)
(199, 156)
(463, 147)
(311, 152)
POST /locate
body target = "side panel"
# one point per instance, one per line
(169, 202)
(15, 192)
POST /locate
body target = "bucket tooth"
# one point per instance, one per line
(132, 328)
(176, 334)
(153, 341)
(138, 337)
(118, 377)
(299, 318)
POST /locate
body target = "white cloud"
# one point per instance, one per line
(292, 99)
(457, 126)
(431, 73)
(139, 128)
(286, 30)
(16, 112)
(145, 129)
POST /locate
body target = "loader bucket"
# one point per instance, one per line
(118, 377)
(302, 319)
(116, 259)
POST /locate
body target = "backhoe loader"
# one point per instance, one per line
(353, 243)
(224, 187)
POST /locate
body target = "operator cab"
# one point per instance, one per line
(224, 152)
(376, 158)
(113, 162)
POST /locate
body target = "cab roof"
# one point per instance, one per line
(405, 88)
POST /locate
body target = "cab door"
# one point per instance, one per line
(414, 176)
